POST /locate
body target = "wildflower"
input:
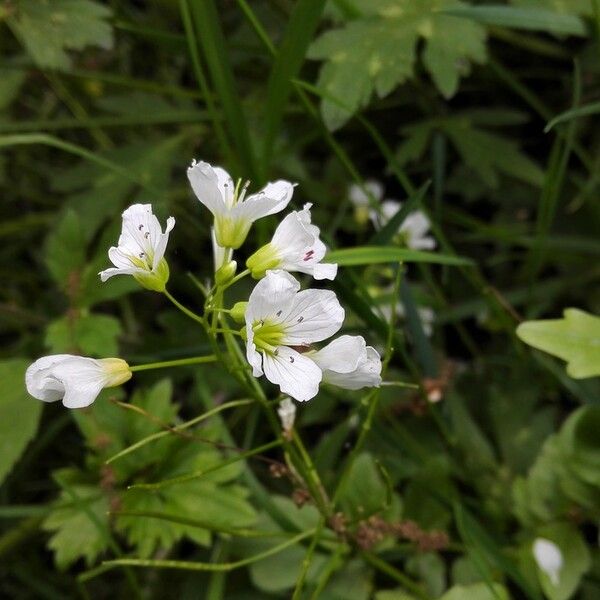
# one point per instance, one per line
(349, 363)
(287, 414)
(549, 558)
(363, 197)
(413, 229)
(76, 380)
(281, 322)
(233, 212)
(295, 246)
(141, 249)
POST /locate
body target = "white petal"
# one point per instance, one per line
(314, 316)
(295, 374)
(321, 271)
(386, 211)
(161, 245)
(342, 355)
(271, 294)
(549, 558)
(207, 184)
(349, 363)
(292, 238)
(38, 381)
(108, 273)
(273, 198)
(416, 223)
(359, 198)
(76, 379)
(225, 185)
(252, 355)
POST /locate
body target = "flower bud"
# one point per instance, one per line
(262, 260)
(226, 273)
(238, 311)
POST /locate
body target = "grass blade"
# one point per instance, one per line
(369, 255)
(289, 58)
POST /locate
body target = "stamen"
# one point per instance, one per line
(279, 313)
(147, 235)
(142, 254)
(276, 352)
(291, 359)
(140, 227)
(308, 255)
(243, 192)
(300, 319)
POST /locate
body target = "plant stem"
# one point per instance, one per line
(180, 362)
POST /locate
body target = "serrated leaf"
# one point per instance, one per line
(376, 52)
(19, 414)
(575, 338)
(89, 334)
(75, 535)
(47, 28)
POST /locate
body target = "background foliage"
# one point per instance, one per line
(483, 114)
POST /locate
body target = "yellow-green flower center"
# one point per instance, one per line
(268, 335)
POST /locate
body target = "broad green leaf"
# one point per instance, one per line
(47, 28)
(576, 560)
(369, 255)
(88, 334)
(377, 52)
(364, 492)
(477, 591)
(574, 338)
(19, 414)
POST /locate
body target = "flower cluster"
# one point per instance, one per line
(369, 202)
(282, 323)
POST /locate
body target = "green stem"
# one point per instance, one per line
(239, 276)
(191, 314)
(180, 362)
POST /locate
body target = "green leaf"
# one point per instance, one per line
(74, 534)
(486, 153)
(536, 19)
(376, 52)
(574, 7)
(364, 492)
(369, 255)
(576, 560)
(477, 591)
(47, 28)
(429, 568)
(575, 339)
(88, 334)
(19, 414)
(10, 83)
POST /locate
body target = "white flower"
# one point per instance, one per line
(295, 246)
(141, 248)
(413, 229)
(287, 414)
(360, 198)
(233, 212)
(549, 558)
(280, 320)
(349, 363)
(76, 380)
